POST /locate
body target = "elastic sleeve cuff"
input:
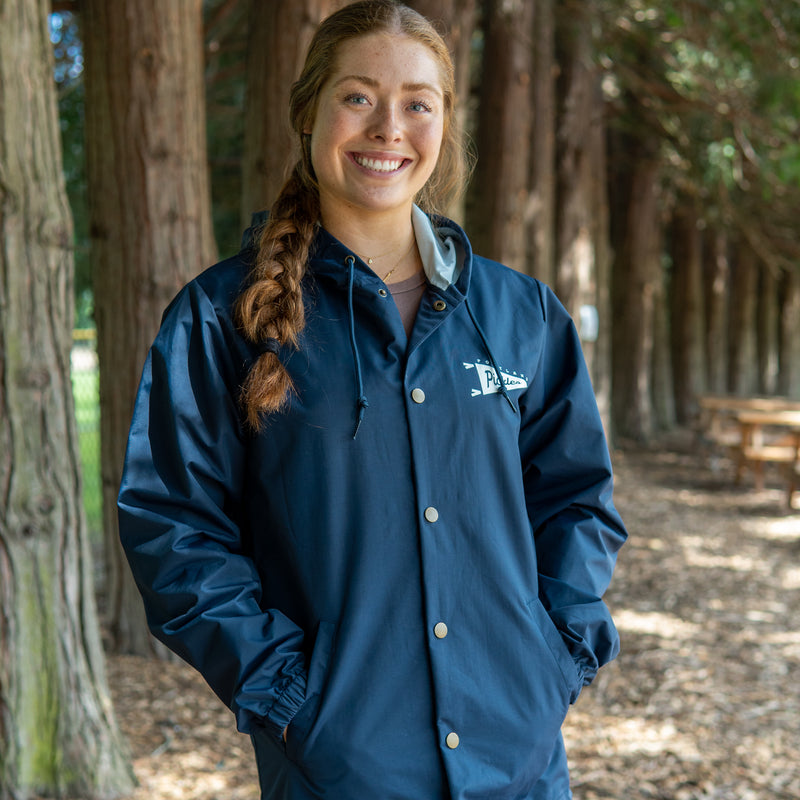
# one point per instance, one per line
(286, 706)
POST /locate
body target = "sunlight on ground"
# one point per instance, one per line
(701, 552)
(785, 529)
(668, 626)
(636, 736)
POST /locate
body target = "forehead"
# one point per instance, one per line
(386, 59)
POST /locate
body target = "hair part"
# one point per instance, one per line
(271, 307)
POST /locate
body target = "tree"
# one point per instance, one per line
(274, 61)
(497, 203)
(582, 276)
(58, 735)
(456, 21)
(150, 221)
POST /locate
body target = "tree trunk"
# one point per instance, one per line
(279, 33)
(58, 735)
(498, 200)
(686, 293)
(661, 381)
(636, 273)
(767, 331)
(150, 220)
(575, 267)
(582, 255)
(741, 338)
(789, 335)
(716, 277)
(542, 202)
(455, 20)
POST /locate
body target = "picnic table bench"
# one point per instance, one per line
(756, 431)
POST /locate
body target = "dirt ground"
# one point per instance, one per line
(703, 702)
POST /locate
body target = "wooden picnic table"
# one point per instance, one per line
(756, 431)
(769, 437)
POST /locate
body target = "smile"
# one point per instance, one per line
(379, 165)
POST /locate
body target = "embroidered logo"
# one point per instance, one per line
(490, 383)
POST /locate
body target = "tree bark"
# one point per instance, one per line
(767, 331)
(716, 277)
(789, 335)
(661, 379)
(575, 267)
(636, 273)
(685, 294)
(455, 20)
(150, 221)
(279, 33)
(58, 735)
(497, 203)
(741, 337)
(542, 201)
(582, 248)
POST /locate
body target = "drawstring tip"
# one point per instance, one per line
(363, 405)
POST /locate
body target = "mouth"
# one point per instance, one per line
(383, 166)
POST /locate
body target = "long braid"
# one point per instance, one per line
(271, 307)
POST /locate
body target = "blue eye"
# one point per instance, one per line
(356, 99)
(419, 105)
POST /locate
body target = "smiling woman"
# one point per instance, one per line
(367, 492)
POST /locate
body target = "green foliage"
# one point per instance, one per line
(718, 84)
(68, 51)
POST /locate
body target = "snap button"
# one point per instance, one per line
(439, 305)
(417, 395)
(440, 630)
(452, 740)
(431, 514)
(382, 292)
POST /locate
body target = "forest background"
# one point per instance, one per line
(642, 158)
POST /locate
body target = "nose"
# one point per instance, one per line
(385, 124)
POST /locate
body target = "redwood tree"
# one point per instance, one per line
(498, 201)
(150, 220)
(58, 736)
(278, 35)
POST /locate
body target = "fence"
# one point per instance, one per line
(87, 414)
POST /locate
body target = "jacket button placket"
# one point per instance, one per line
(439, 628)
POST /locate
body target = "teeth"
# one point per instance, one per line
(378, 166)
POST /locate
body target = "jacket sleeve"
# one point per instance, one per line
(568, 492)
(178, 521)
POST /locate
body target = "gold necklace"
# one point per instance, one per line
(397, 264)
(399, 260)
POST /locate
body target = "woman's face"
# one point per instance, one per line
(378, 127)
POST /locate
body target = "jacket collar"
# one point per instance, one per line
(443, 246)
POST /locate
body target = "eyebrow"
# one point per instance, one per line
(408, 87)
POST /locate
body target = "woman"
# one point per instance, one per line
(367, 492)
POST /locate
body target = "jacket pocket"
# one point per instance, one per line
(302, 724)
(558, 649)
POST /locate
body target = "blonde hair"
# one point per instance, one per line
(270, 310)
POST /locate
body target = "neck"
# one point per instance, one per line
(386, 242)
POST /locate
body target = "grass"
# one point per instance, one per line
(87, 415)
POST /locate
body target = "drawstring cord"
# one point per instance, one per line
(362, 402)
(488, 349)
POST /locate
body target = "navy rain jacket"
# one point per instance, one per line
(419, 602)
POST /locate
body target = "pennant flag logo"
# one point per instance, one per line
(490, 383)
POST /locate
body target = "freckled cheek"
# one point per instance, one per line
(431, 144)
